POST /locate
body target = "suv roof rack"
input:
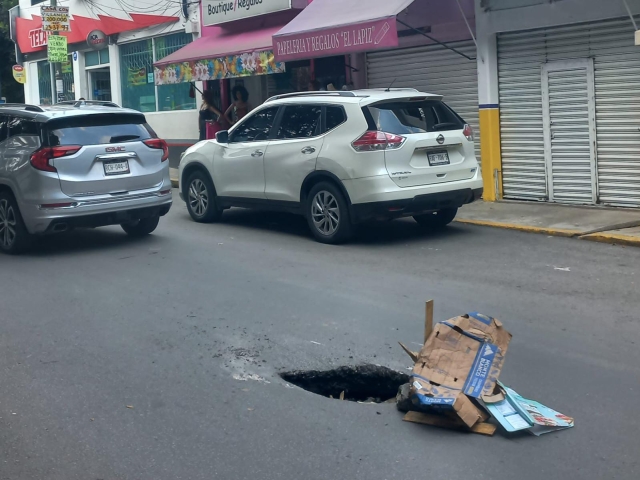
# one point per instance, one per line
(397, 89)
(80, 103)
(26, 106)
(338, 93)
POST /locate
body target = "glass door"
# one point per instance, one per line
(100, 85)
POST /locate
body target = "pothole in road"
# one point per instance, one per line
(363, 383)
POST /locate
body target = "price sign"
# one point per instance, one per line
(55, 19)
(57, 49)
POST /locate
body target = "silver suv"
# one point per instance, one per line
(78, 165)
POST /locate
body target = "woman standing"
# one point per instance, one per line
(240, 106)
(208, 113)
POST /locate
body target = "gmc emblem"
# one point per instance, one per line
(115, 149)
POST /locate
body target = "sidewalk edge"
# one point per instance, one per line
(612, 238)
(556, 232)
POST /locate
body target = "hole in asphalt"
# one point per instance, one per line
(363, 383)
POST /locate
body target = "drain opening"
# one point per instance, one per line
(363, 383)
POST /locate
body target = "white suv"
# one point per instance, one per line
(338, 158)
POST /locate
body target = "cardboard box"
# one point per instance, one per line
(461, 359)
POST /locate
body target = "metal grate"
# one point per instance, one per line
(45, 86)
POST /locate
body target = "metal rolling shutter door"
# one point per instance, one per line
(617, 99)
(432, 69)
(520, 57)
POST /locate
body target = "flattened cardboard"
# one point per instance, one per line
(516, 413)
(462, 358)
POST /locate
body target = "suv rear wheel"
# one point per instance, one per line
(141, 227)
(201, 199)
(439, 219)
(14, 237)
(327, 213)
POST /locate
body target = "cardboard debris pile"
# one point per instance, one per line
(454, 383)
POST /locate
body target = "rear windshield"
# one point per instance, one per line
(403, 118)
(98, 130)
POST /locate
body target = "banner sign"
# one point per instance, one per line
(55, 19)
(361, 37)
(234, 66)
(215, 12)
(57, 49)
(19, 74)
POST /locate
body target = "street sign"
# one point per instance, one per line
(57, 49)
(19, 74)
(55, 19)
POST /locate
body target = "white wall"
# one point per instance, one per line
(562, 12)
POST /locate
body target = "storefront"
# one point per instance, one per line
(567, 95)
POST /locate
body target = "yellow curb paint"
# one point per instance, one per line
(556, 232)
(491, 157)
(612, 238)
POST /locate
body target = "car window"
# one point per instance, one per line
(335, 116)
(4, 128)
(300, 121)
(403, 118)
(98, 130)
(19, 126)
(256, 126)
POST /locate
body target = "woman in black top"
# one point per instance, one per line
(208, 112)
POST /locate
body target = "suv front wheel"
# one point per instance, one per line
(14, 237)
(327, 213)
(439, 219)
(201, 199)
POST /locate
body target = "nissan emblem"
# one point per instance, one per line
(440, 139)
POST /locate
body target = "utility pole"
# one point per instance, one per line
(57, 69)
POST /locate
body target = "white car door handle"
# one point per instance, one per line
(308, 150)
(257, 153)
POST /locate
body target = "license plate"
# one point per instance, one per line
(119, 167)
(438, 158)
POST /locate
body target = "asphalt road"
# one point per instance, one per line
(190, 326)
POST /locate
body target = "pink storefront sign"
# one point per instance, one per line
(360, 37)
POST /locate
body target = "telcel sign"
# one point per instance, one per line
(215, 12)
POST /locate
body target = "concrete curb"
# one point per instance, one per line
(556, 232)
(613, 239)
(175, 183)
(600, 237)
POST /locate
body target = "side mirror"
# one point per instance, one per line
(222, 136)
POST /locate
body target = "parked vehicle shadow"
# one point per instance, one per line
(87, 240)
(374, 233)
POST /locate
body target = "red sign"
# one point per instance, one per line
(38, 38)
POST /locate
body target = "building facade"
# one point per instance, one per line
(111, 55)
(559, 90)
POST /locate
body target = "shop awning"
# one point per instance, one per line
(337, 27)
(220, 55)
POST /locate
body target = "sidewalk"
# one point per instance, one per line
(608, 225)
(173, 174)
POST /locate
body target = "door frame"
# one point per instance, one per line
(90, 72)
(559, 66)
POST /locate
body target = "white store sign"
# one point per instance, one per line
(215, 12)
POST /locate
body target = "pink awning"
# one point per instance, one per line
(337, 27)
(222, 44)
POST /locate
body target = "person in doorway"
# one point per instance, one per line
(240, 106)
(314, 86)
(208, 113)
(82, 99)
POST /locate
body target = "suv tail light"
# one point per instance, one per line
(159, 144)
(468, 132)
(373, 141)
(41, 159)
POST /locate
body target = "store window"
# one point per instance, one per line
(45, 85)
(136, 70)
(176, 96)
(96, 57)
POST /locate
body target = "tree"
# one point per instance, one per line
(8, 86)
